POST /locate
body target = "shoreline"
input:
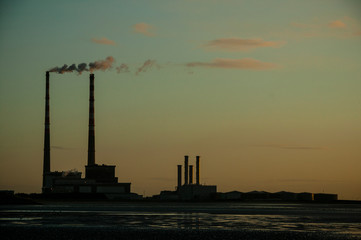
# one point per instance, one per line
(41, 199)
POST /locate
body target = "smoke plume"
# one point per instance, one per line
(101, 65)
(123, 68)
(146, 65)
(82, 67)
(93, 66)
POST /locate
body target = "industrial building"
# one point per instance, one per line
(189, 190)
(99, 179)
(278, 196)
(325, 197)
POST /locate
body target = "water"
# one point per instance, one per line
(303, 218)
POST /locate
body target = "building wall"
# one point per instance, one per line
(63, 189)
(110, 189)
(231, 195)
(101, 173)
(196, 192)
(85, 189)
(325, 197)
(305, 196)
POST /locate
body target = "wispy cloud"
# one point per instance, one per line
(349, 26)
(104, 41)
(337, 24)
(144, 28)
(244, 63)
(291, 147)
(240, 44)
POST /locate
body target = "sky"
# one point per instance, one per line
(266, 92)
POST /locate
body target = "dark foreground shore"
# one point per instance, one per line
(90, 233)
(188, 221)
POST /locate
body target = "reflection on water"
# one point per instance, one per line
(265, 217)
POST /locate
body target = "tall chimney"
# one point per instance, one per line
(46, 163)
(91, 136)
(197, 170)
(190, 174)
(179, 176)
(185, 170)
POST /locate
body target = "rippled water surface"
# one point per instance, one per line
(335, 218)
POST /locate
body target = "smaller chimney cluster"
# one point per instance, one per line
(188, 172)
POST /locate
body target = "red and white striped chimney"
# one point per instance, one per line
(46, 158)
(91, 136)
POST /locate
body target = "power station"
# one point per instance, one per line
(189, 190)
(99, 179)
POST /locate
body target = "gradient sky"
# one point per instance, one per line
(266, 92)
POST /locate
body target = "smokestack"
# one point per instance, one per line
(197, 170)
(190, 174)
(179, 176)
(46, 163)
(185, 170)
(91, 136)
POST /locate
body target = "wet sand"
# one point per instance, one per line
(181, 221)
(90, 233)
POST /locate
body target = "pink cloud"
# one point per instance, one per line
(337, 24)
(239, 44)
(144, 28)
(244, 63)
(349, 26)
(103, 41)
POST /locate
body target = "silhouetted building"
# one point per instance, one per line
(325, 197)
(6, 193)
(286, 196)
(305, 196)
(256, 195)
(99, 179)
(233, 195)
(167, 196)
(190, 191)
(101, 173)
(197, 192)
